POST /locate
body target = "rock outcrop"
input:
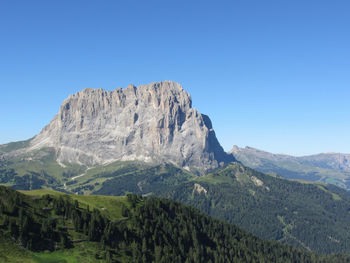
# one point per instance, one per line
(151, 123)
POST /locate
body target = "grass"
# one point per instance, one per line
(213, 180)
(45, 162)
(83, 252)
(252, 192)
(11, 252)
(110, 168)
(334, 195)
(230, 174)
(110, 206)
(12, 146)
(41, 192)
(92, 181)
(87, 180)
(97, 175)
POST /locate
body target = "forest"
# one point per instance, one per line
(147, 230)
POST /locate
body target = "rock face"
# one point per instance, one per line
(151, 123)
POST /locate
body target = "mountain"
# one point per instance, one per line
(148, 140)
(97, 130)
(152, 123)
(47, 226)
(333, 168)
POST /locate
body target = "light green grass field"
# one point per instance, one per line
(84, 252)
(87, 252)
(110, 206)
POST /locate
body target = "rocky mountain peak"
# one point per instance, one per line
(151, 123)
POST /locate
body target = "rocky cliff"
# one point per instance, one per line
(151, 123)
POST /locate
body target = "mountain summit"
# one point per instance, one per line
(150, 123)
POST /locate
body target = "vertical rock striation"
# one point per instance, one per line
(151, 123)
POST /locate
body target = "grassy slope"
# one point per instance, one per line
(74, 178)
(82, 252)
(12, 252)
(150, 180)
(96, 176)
(165, 217)
(110, 206)
(12, 146)
(41, 165)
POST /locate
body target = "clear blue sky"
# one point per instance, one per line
(274, 75)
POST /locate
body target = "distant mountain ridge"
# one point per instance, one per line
(331, 168)
(150, 123)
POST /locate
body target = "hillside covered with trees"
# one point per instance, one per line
(134, 230)
(308, 215)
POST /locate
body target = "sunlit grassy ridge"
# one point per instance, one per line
(110, 206)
